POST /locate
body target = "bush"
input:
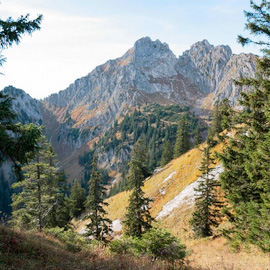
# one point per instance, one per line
(73, 241)
(161, 244)
(157, 243)
(124, 245)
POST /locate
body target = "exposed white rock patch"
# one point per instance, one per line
(116, 225)
(169, 177)
(162, 191)
(158, 170)
(186, 196)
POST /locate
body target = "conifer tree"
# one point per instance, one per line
(227, 113)
(222, 118)
(216, 120)
(207, 206)
(37, 193)
(99, 225)
(138, 219)
(182, 138)
(12, 30)
(197, 138)
(59, 215)
(77, 199)
(167, 154)
(246, 157)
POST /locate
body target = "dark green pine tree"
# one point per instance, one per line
(197, 139)
(227, 114)
(182, 137)
(138, 219)
(37, 192)
(215, 128)
(99, 225)
(222, 118)
(207, 206)
(246, 157)
(77, 199)
(59, 215)
(167, 154)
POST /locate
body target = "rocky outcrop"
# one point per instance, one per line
(214, 69)
(26, 107)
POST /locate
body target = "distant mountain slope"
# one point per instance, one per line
(28, 111)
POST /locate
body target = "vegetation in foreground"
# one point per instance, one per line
(28, 250)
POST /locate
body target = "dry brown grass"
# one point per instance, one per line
(216, 254)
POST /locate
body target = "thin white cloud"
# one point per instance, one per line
(67, 47)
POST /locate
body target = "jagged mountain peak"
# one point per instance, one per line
(145, 44)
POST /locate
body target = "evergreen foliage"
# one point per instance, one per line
(38, 193)
(207, 206)
(99, 225)
(12, 30)
(198, 138)
(246, 157)
(182, 137)
(222, 118)
(138, 219)
(77, 199)
(17, 141)
(167, 154)
(158, 243)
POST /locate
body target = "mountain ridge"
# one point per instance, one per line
(147, 73)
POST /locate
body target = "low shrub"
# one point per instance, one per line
(73, 241)
(157, 243)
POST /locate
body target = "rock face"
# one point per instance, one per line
(26, 108)
(214, 69)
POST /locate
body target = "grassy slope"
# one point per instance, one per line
(211, 253)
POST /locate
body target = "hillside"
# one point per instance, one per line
(163, 187)
(172, 191)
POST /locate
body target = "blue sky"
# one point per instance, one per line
(78, 35)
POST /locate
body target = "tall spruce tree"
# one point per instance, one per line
(222, 118)
(99, 225)
(216, 120)
(198, 138)
(246, 157)
(37, 192)
(182, 137)
(167, 154)
(138, 219)
(77, 199)
(207, 206)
